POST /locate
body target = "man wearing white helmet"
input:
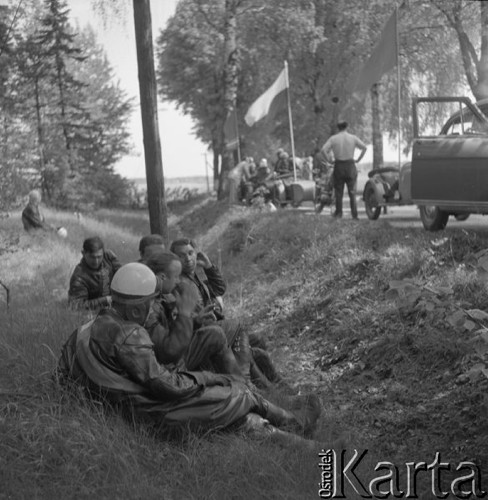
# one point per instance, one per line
(113, 357)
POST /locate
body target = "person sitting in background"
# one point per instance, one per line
(148, 243)
(32, 217)
(113, 359)
(284, 164)
(209, 310)
(89, 286)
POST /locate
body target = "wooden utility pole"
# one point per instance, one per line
(158, 215)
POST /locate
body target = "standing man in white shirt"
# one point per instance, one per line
(343, 146)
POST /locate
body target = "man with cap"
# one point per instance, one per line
(113, 358)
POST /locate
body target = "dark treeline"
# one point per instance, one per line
(216, 52)
(63, 116)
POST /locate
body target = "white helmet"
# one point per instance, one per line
(132, 283)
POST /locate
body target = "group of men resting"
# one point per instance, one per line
(161, 348)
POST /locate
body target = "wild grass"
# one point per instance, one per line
(389, 372)
(55, 444)
(316, 288)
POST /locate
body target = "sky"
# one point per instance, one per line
(183, 154)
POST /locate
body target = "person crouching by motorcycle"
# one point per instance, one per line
(261, 184)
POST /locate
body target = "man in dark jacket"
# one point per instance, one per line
(89, 286)
(254, 361)
(113, 358)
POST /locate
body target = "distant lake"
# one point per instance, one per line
(198, 183)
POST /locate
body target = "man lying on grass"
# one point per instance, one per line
(113, 358)
(249, 350)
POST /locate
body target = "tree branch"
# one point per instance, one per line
(204, 13)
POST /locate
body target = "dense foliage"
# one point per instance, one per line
(63, 115)
(443, 51)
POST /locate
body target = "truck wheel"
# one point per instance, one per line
(433, 219)
(371, 203)
(461, 217)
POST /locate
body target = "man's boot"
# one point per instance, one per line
(301, 419)
(257, 426)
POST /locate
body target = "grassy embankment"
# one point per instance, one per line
(397, 366)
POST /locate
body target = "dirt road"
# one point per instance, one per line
(407, 216)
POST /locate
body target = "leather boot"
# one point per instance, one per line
(301, 420)
(257, 426)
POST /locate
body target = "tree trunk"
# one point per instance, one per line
(62, 104)
(158, 216)
(482, 87)
(230, 85)
(335, 116)
(377, 132)
(40, 132)
(215, 163)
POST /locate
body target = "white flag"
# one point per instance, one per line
(269, 102)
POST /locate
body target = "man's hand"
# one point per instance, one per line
(206, 316)
(203, 260)
(186, 299)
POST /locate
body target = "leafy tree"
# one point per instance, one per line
(14, 141)
(58, 44)
(32, 140)
(461, 17)
(190, 68)
(105, 107)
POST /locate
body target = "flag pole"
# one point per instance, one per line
(398, 88)
(291, 122)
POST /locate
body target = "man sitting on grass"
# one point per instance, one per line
(149, 243)
(113, 358)
(89, 286)
(253, 359)
(170, 324)
(32, 217)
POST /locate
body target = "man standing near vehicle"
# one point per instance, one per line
(240, 174)
(343, 146)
